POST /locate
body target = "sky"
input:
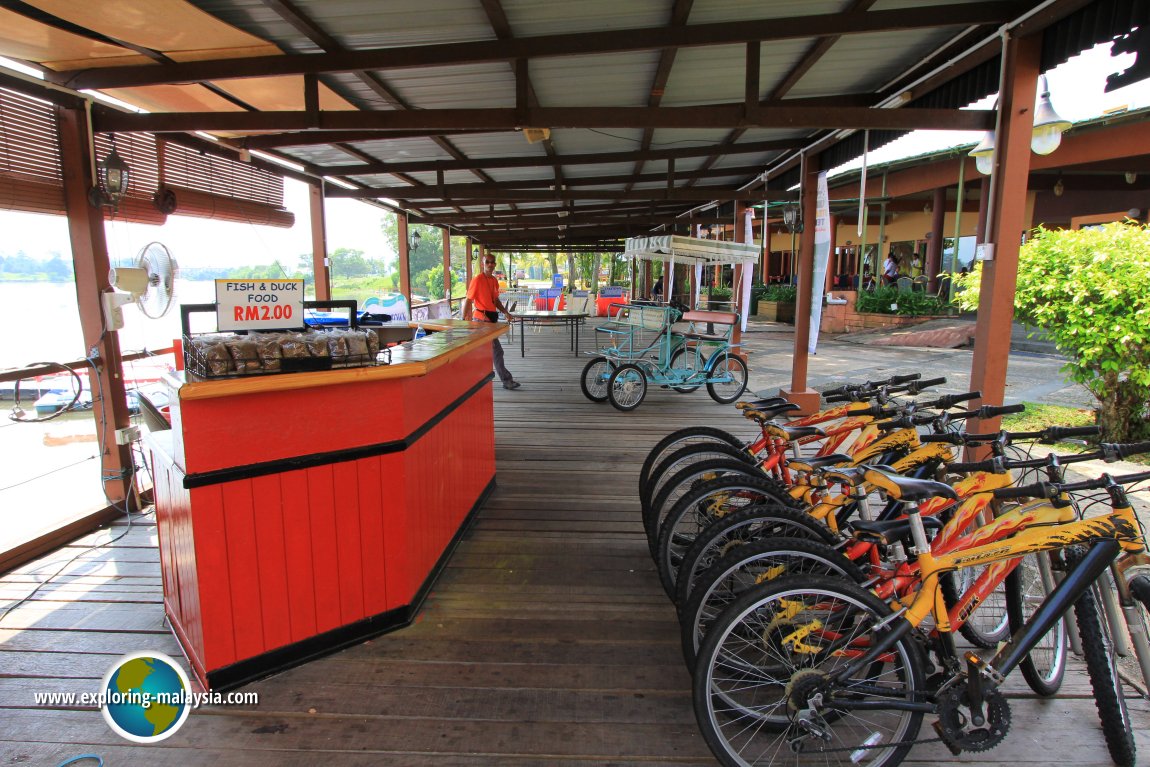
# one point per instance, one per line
(1076, 90)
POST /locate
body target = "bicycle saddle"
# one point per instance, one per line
(761, 404)
(791, 433)
(908, 488)
(769, 412)
(890, 530)
(846, 475)
(818, 462)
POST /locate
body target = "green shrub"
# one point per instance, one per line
(879, 301)
(775, 292)
(1086, 289)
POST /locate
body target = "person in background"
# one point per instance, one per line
(890, 270)
(483, 305)
(657, 289)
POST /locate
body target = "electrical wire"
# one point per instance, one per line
(133, 496)
(47, 473)
(18, 414)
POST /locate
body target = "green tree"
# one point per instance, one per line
(1087, 289)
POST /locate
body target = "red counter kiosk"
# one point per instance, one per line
(299, 513)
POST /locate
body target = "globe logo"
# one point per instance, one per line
(147, 697)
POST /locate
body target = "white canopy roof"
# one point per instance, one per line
(681, 248)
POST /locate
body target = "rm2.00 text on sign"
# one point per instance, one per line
(259, 304)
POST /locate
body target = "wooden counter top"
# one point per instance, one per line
(452, 339)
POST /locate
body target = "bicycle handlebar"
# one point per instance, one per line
(1057, 433)
(1051, 490)
(1120, 451)
(950, 400)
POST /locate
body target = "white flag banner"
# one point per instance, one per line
(746, 270)
(822, 257)
(698, 283)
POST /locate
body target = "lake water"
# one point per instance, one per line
(42, 323)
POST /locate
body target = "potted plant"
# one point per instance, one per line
(777, 302)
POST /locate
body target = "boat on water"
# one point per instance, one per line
(54, 401)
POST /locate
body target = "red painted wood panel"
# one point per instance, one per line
(255, 564)
(371, 488)
(349, 557)
(300, 573)
(272, 562)
(215, 604)
(243, 568)
(324, 548)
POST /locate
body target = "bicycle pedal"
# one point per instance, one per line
(953, 747)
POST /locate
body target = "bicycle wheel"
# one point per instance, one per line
(627, 387)
(1026, 588)
(729, 367)
(684, 458)
(1138, 623)
(1101, 666)
(683, 481)
(763, 690)
(707, 503)
(689, 364)
(593, 380)
(734, 530)
(749, 564)
(681, 438)
(988, 624)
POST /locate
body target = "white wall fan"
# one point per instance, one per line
(150, 282)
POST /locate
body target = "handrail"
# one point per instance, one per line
(19, 374)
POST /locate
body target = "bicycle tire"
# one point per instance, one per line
(700, 507)
(682, 438)
(745, 677)
(1101, 667)
(742, 527)
(682, 352)
(731, 390)
(1045, 666)
(1140, 593)
(745, 566)
(989, 624)
(685, 480)
(682, 459)
(627, 387)
(596, 390)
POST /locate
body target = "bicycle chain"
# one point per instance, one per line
(895, 744)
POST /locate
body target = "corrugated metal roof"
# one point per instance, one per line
(631, 89)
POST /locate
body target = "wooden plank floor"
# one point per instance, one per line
(547, 640)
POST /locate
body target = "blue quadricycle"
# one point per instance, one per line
(640, 344)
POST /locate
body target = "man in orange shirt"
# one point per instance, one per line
(483, 297)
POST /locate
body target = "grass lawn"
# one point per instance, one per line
(1038, 416)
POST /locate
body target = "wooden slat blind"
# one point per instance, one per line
(212, 187)
(29, 155)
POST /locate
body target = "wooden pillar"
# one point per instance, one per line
(798, 393)
(447, 263)
(90, 261)
(1008, 220)
(319, 262)
(934, 244)
(404, 262)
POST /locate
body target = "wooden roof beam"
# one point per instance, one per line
(706, 117)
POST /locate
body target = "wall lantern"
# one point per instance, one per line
(793, 218)
(1045, 136)
(112, 180)
(413, 240)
